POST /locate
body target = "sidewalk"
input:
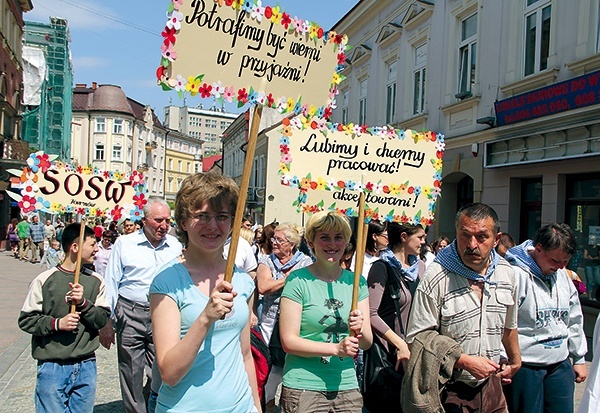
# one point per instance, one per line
(18, 369)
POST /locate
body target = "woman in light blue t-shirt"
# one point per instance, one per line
(316, 322)
(201, 322)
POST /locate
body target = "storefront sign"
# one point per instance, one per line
(560, 97)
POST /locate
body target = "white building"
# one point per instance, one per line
(198, 123)
(115, 133)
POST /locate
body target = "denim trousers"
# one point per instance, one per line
(66, 386)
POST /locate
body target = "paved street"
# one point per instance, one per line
(17, 368)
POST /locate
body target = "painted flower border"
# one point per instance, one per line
(228, 93)
(31, 201)
(306, 183)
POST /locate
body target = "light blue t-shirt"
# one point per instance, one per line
(325, 312)
(217, 382)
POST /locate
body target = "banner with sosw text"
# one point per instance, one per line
(399, 171)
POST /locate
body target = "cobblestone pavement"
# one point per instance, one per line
(18, 369)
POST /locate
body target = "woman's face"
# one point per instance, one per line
(443, 244)
(381, 240)
(207, 229)
(281, 246)
(414, 242)
(329, 245)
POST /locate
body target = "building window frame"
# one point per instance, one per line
(419, 78)
(537, 34)
(391, 89)
(362, 101)
(467, 56)
(118, 126)
(100, 124)
(99, 152)
(117, 153)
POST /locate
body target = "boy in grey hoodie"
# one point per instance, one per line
(550, 321)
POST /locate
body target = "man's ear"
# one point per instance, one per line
(74, 248)
(497, 240)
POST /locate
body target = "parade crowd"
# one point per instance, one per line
(474, 324)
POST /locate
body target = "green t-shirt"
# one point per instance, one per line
(23, 229)
(325, 312)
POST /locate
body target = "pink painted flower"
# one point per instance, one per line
(168, 52)
(229, 94)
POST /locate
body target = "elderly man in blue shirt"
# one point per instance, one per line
(37, 233)
(134, 261)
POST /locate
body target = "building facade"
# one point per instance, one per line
(13, 150)
(513, 85)
(199, 123)
(113, 132)
(184, 157)
(48, 93)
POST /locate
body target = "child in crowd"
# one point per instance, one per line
(53, 255)
(64, 342)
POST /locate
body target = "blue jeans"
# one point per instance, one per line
(65, 386)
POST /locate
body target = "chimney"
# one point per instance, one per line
(94, 85)
(80, 85)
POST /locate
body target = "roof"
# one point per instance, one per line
(209, 161)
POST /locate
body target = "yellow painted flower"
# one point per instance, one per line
(54, 206)
(349, 129)
(283, 168)
(321, 184)
(437, 164)
(426, 190)
(312, 111)
(192, 85)
(290, 104)
(276, 16)
(394, 189)
(337, 79)
(313, 31)
(305, 122)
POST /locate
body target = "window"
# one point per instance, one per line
(189, 167)
(345, 107)
(170, 183)
(99, 155)
(531, 208)
(116, 153)
(100, 125)
(130, 128)
(419, 75)
(170, 163)
(390, 107)
(179, 166)
(467, 51)
(362, 103)
(537, 35)
(118, 126)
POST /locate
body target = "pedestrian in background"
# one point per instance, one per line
(12, 239)
(104, 250)
(50, 233)
(53, 255)
(24, 238)
(37, 233)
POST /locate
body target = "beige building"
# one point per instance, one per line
(199, 123)
(113, 132)
(184, 157)
(514, 86)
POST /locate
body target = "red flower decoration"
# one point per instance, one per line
(229, 2)
(314, 124)
(79, 169)
(268, 12)
(338, 39)
(284, 149)
(285, 20)
(319, 33)
(116, 213)
(341, 184)
(363, 129)
(437, 183)
(139, 200)
(386, 189)
(270, 100)
(411, 190)
(439, 154)
(44, 162)
(369, 186)
(285, 121)
(160, 72)
(313, 185)
(340, 127)
(169, 35)
(205, 90)
(242, 95)
(99, 212)
(404, 219)
(106, 174)
(341, 58)
(80, 211)
(27, 204)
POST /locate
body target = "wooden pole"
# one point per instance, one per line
(360, 251)
(239, 211)
(78, 262)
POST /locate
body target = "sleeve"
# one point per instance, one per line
(577, 339)
(96, 314)
(293, 288)
(163, 283)
(31, 318)
(113, 275)
(377, 282)
(363, 289)
(425, 314)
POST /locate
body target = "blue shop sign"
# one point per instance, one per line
(571, 94)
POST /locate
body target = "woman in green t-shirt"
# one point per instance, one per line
(316, 322)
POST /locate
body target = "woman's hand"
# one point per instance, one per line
(355, 322)
(348, 347)
(402, 355)
(220, 301)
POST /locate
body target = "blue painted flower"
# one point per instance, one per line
(284, 140)
(298, 108)
(247, 6)
(437, 176)
(333, 127)
(401, 134)
(33, 162)
(389, 217)
(45, 203)
(295, 182)
(432, 206)
(350, 212)
(440, 137)
(350, 185)
(320, 112)
(68, 208)
(416, 220)
(96, 170)
(253, 97)
(417, 190)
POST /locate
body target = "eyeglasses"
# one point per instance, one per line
(205, 218)
(278, 240)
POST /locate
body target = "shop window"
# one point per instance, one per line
(583, 215)
(531, 208)
(464, 192)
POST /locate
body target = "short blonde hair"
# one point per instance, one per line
(291, 231)
(247, 234)
(327, 221)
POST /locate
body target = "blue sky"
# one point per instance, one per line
(118, 41)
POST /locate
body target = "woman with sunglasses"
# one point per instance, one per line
(272, 272)
(392, 282)
(201, 323)
(319, 330)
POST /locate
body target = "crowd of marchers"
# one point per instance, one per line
(474, 324)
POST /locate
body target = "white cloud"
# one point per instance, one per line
(89, 62)
(80, 14)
